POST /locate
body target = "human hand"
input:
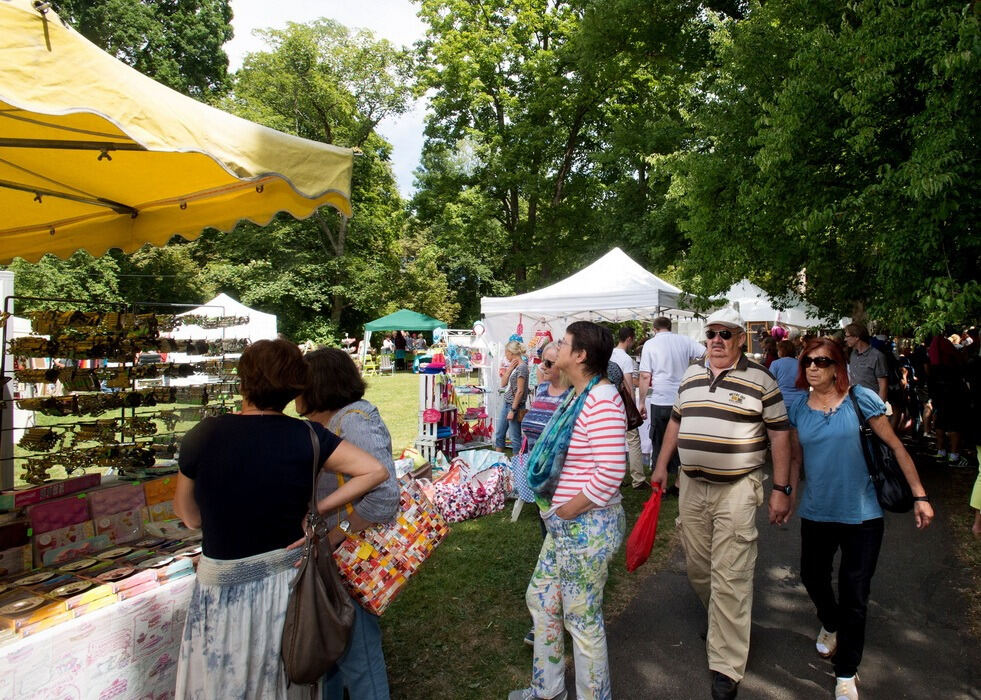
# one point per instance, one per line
(660, 477)
(922, 513)
(511, 414)
(642, 407)
(781, 506)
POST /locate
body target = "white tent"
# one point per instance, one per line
(755, 307)
(261, 326)
(614, 288)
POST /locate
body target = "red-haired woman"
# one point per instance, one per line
(838, 508)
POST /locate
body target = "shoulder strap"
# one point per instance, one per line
(334, 425)
(864, 431)
(316, 465)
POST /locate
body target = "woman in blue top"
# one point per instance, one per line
(784, 370)
(839, 509)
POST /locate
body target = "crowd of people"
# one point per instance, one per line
(717, 419)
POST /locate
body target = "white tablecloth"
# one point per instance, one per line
(126, 650)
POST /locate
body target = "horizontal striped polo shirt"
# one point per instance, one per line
(723, 420)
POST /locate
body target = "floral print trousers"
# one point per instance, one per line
(566, 590)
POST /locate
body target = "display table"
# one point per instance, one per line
(126, 650)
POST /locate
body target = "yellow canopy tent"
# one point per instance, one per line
(95, 155)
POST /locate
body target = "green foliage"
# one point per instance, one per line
(81, 277)
(836, 157)
(542, 117)
(168, 274)
(176, 42)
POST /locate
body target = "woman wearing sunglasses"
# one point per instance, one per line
(839, 510)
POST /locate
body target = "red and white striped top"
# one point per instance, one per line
(595, 463)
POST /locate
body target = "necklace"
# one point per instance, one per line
(828, 407)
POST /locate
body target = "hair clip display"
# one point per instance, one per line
(39, 439)
(94, 357)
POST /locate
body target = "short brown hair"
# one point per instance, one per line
(596, 341)
(334, 383)
(786, 348)
(859, 331)
(272, 373)
(662, 323)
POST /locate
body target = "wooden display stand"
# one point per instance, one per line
(436, 395)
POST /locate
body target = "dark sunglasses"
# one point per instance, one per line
(724, 334)
(822, 362)
(548, 364)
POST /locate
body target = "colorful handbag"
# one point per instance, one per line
(482, 494)
(376, 562)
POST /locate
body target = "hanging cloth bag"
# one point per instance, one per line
(320, 613)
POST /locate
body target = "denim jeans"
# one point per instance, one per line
(362, 667)
(859, 545)
(507, 427)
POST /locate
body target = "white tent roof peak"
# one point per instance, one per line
(615, 283)
(261, 326)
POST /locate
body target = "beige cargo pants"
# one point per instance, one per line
(718, 532)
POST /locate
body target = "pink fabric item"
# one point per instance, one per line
(116, 499)
(54, 515)
(484, 494)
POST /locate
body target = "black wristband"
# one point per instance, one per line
(921, 498)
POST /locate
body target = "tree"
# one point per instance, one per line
(834, 155)
(80, 277)
(554, 108)
(323, 82)
(176, 42)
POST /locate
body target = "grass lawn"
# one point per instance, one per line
(457, 629)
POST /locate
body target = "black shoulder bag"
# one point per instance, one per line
(320, 612)
(891, 487)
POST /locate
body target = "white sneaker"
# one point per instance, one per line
(845, 689)
(827, 643)
(529, 694)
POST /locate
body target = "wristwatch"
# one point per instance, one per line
(788, 489)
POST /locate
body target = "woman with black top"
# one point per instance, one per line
(245, 479)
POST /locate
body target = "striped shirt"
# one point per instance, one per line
(543, 405)
(724, 419)
(595, 463)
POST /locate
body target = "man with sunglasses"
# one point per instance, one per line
(727, 412)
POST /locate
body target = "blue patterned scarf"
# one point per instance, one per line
(548, 456)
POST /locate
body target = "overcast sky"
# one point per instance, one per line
(394, 20)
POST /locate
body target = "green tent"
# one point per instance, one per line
(404, 320)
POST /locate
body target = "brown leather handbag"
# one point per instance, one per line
(634, 419)
(320, 612)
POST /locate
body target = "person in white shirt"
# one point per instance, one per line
(663, 362)
(623, 360)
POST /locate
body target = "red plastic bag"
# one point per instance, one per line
(641, 539)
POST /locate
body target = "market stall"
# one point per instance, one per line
(94, 155)
(761, 314)
(401, 320)
(614, 288)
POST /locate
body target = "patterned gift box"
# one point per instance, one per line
(377, 562)
(117, 499)
(159, 490)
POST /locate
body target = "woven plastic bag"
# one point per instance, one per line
(376, 563)
(641, 539)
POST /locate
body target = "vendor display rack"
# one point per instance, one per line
(97, 542)
(93, 349)
(451, 417)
